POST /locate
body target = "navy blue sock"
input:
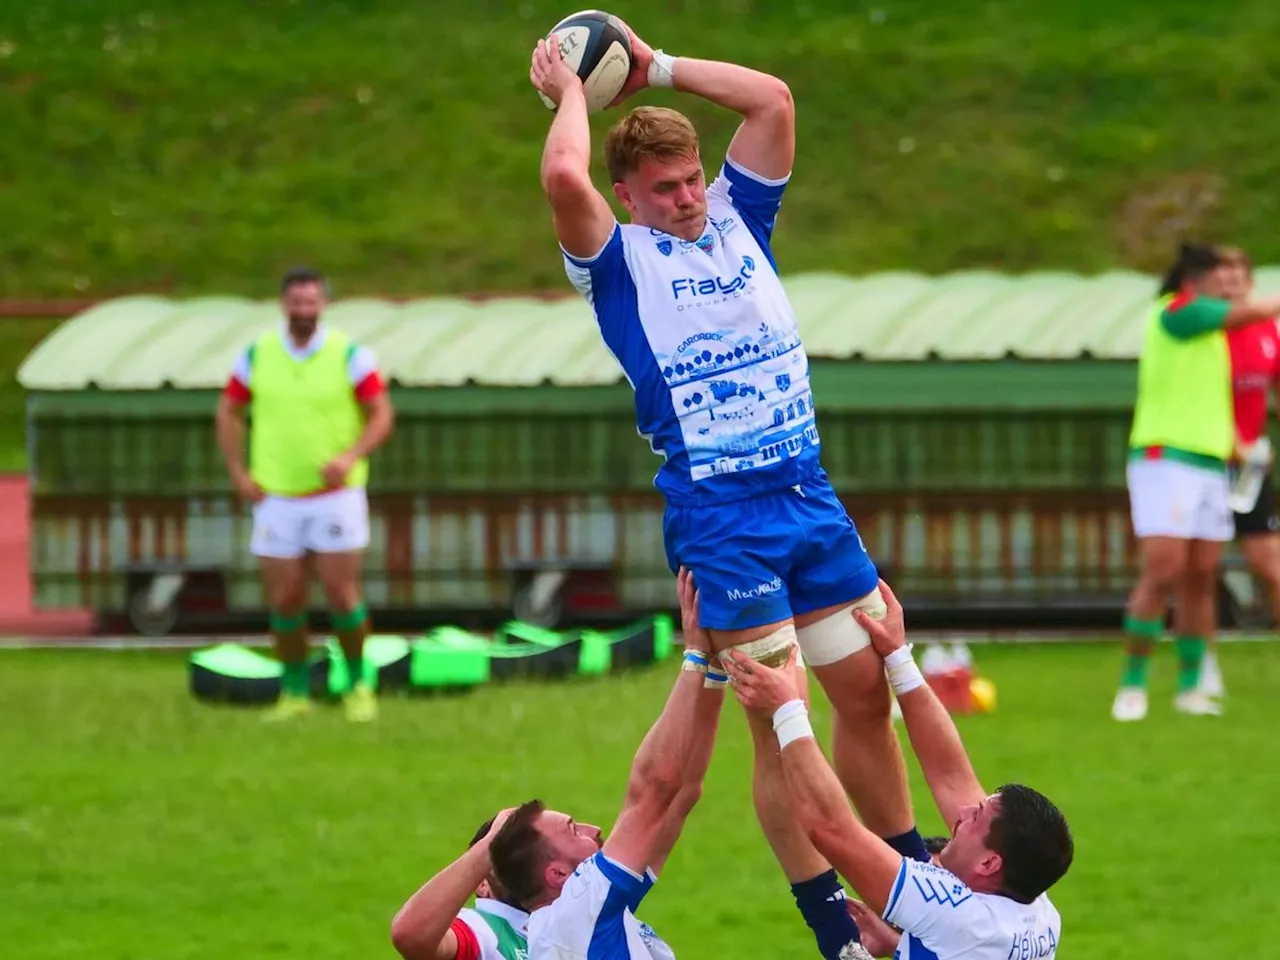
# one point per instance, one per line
(910, 845)
(822, 904)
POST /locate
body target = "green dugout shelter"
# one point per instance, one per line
(975, 425)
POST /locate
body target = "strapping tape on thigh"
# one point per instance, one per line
(771, 650)
(833, 638)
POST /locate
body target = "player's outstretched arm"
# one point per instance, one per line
(423, 929)
(933, 733)
(581, 216)
(669, 768)
(765, 144)
(869, 864)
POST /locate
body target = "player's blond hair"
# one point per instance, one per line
(655, 133)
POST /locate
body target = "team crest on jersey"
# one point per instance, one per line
(664, 247)
(941, 888)
(783, 380)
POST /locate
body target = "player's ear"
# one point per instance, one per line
(555, 875)
(623, 194)
(990, 864)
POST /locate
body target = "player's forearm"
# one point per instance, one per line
(567, 151)
(377, 428)
(667, 752)
(740, 89)
(425, 918)
(229, 430)
(822, 810)
(937, 745)
(819, 802)
(704, 726)
(1242, 314)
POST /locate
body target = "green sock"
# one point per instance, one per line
(1137, 667)
(1190, 654)
(296, 680)
(355, 670)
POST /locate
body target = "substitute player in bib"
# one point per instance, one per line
(986, 898)
(319, 407)
(689, 302)
(1182, 437)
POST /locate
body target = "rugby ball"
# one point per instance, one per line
(598, 47)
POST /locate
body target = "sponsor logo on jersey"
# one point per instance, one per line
(723, 227)
(721, 286)
(759, 590)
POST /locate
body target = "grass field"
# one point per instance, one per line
(154, 144)
(135, 823)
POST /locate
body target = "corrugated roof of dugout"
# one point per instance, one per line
(144, 343)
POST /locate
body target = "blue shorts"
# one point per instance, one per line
(770, 557)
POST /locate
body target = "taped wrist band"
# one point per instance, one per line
(662, 70)
(900, 667)
(791, 723)
(694, 662)
(715, 679)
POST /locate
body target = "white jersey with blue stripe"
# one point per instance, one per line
(594, 917)
(942, 919)
(705, 334)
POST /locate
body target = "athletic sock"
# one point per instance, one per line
(296, 681)
(1190, 656)
(822, 904)
(351, 628)
(1137, 666)
(290, 635)
(910, 845)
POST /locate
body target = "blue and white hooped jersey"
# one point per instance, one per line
(707, 338)
(594, 917)
(942, 919)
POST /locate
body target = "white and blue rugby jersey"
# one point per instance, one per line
(594, 917)
(942, 919)
(707, 338)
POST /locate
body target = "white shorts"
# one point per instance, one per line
(289, 527)
(1168, 498)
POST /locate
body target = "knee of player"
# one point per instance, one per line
(289, 602)
(1165, 571)
(343, 598)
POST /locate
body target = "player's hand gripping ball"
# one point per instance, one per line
(597, 47)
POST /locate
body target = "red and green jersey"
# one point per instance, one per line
(1255, 368)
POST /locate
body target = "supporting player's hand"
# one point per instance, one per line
(695, 637)
(498, 821)
(889, 633)
(334, 473)
(247, 488)
(880, 939)
(638, 78)
(550, 75)
(759, 688)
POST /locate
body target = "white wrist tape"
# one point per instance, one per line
(715, 678)
(662, 70)
(791, 723)
(694, 662)
(904, 675)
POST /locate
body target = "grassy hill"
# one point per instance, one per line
(162, 145)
